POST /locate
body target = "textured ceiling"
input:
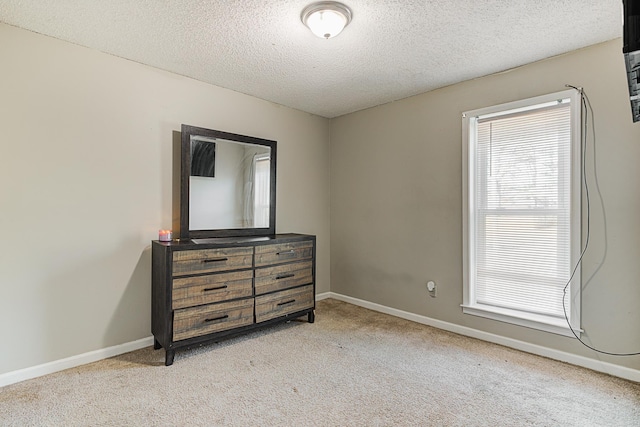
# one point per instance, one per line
(391, 50)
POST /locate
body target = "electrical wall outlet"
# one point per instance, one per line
(431, 288)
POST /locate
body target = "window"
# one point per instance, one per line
(261, 200)
(522, 212)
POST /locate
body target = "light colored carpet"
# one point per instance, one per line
(353, 367)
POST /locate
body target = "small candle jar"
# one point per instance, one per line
(164, 235)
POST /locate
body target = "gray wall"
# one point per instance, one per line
(396, 201)
(86, 183)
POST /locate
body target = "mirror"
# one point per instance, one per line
(227, 184)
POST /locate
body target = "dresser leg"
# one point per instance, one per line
(312, 316)
(156, 344)
(168, 357)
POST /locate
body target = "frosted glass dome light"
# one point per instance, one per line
(326, 19)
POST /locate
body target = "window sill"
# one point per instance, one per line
(528, 320)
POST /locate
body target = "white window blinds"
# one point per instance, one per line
(522, 237)
(523, 210)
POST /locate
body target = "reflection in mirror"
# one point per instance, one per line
(238, 195)
(203, 156)
(227, 184)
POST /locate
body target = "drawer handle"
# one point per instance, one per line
(216, 318)
(286, 302)
(285, 276)
(215, 260)
(214, 289)
(291, 251)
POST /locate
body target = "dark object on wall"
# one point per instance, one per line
(203, 158)
(631, 50)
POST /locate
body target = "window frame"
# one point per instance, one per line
(513, 316)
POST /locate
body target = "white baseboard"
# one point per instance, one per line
(72, 362)
(93, 356)
(325, 295)
(82, 359)
(596, 365)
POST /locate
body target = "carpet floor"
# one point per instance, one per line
(352, 367)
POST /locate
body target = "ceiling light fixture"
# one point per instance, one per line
(326, 19)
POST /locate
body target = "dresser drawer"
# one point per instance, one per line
(285, 252)
(206, 319)
(283, 303)
(199, 290)
(283, 277)
(211, 260)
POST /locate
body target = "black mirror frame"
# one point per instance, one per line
(185, 173)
